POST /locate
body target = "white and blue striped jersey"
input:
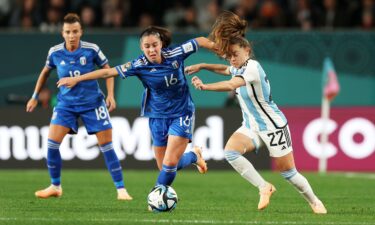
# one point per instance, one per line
(70, 64)
(166, 93)
(259, 111)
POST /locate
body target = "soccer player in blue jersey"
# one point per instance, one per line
(72, 58)
(263, 123)
(166, 100)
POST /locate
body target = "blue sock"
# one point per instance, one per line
(187, 159)
(54, 162)
(113, 164)
(167, 175)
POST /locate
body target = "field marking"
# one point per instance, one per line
(180, 221)
(370, 176)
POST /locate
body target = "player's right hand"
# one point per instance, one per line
(192, 69)
(68, 82)
(31, 105)
(198, 84)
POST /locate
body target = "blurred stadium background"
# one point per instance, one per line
(291, 39)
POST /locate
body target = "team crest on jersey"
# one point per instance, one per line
(126, 67)
(175, 64)
(82, 60)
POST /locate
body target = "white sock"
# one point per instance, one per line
(300, 183)
(245, 168)
(56, 186)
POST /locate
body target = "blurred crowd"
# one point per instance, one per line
(188, 15)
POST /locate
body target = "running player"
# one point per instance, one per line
(263, 123)
(72, 58)
(166, 101)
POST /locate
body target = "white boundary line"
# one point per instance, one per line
(156, 221)
(370, 176)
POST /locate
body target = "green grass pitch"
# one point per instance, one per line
(218, 197)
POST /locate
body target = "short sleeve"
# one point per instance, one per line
(182, 51)
(100, 59)
(251, 72)
(49, 61)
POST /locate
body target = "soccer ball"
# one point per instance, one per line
(162, 198)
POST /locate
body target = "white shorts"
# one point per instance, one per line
(278, 141)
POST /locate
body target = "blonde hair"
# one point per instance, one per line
(227, 26)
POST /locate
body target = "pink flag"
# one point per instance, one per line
(331, 86)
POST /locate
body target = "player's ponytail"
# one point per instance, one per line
(164, 34)
(227, 26)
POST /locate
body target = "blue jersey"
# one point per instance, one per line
(166, 93)
(70, 64)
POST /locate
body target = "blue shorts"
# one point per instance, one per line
(94, 118)
(180, 126)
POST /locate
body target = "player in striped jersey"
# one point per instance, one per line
(86, 101)
(166, 101)
(263, 123)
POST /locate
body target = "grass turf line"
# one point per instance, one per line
(218, 197)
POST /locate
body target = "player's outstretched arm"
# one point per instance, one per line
(110, 83)
(204, 42)
(33, 102)
(217, 68)
(70, 82)
(228, 85)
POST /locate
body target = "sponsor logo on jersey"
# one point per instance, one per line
(187, 131)
(283, 148)
(153, 70)
(72, 62)
(188, 47)
(82, 60)
(62, 63)
(126, 67)
(105, 123)
(175, 64)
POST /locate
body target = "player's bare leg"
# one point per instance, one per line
(159, 152)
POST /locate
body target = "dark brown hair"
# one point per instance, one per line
(72, 18)
(164, 34)
(243, 43)
(227, 26)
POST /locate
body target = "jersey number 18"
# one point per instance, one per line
(74, 73)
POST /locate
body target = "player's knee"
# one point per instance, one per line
(172, 161)
(231, 155)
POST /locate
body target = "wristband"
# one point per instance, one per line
(35, 96)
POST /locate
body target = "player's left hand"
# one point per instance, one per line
(111, 103)
(68, 82)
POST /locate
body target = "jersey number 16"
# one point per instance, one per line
(172, 80)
